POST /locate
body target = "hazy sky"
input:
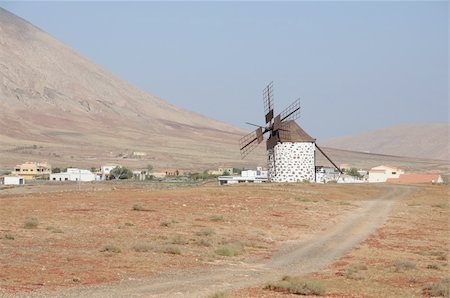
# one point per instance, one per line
(355, 65)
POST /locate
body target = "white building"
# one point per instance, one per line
(248, 176)
(293, 158)
(12, 180)
(106, 169)
(73, 174)
(384, 172)
(326, 174)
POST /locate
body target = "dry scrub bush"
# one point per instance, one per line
(439, 289)
(179, 240)
(137, 207)
(205, 232)
(31, 223)
(216, 217)
(171, 249)
(229, 250)
(434, 266)
(296, 285)
(404, 265)
(111, 248)
(219, 295)
(142, 247)
(9, 236)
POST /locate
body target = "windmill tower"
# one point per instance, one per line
(291, 152)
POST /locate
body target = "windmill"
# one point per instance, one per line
(290, 150)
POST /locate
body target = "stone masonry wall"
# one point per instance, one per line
(294, 162)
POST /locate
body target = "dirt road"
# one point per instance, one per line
(294, 258)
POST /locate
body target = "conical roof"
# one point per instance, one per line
(292, 132)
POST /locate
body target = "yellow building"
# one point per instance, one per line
(222, 171)
(32, 170)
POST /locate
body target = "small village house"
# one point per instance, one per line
(384, 172)
(247, 176)
(33, 170)
(12, 180)
(222, 171)
(74, 174)
(138, 154)
(105, 170)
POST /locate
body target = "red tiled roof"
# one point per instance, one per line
(415, 178)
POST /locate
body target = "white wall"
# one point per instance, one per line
(13, 180)
(73, 174)
(292, 162)
(382, 173)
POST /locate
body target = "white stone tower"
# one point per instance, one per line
(293, 158)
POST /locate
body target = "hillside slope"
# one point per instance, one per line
(415, 140)
(57, 105)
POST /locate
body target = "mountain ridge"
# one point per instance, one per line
(421, 140)
(51, 95)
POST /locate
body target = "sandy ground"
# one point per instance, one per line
(292, 257)
(282, 229)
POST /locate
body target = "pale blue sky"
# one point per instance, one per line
(356, 65)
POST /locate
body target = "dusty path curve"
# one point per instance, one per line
(296, 258)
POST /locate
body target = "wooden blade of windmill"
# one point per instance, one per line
(268, 102)
(276, 123)
(292, 112)
(250, 141)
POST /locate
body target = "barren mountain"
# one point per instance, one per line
(57, 105)
(415, 140)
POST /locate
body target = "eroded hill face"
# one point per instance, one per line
(415, 140)
(73, 109)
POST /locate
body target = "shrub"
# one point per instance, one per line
(111, 248)
(54, 230)
(219, 295)
(434, 266)
(216, 217)
(129, 224)
(31, 223)
(142, 247)
(229, 250)
(178, 240)
(171, 249)
(353, 272)
(295, 285)
(205, 242)
(137, 207)
(439, 289)
(9, 236)
(404, 265)
(205, 232)
(165, 223)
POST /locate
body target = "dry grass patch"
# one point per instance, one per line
(31, 223)
(111, 248)
(296, 285)
(230, 250)
(439, 289)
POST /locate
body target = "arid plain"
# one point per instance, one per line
(150, 239)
